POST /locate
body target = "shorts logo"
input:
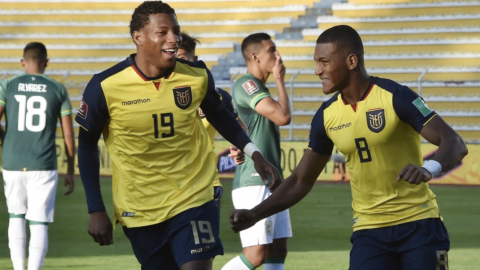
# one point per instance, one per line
(250, 86)
(83, 109)
(183, 97)
(128, 214)
(376, 120)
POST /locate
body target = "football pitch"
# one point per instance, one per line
(321, 230)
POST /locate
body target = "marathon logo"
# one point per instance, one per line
(342, 126)
(32, 87)
(83, 109)
(200, 250)
(134, 102)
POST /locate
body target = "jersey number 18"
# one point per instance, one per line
(27, 112)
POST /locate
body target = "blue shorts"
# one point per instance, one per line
(417, 245)
(189, 236)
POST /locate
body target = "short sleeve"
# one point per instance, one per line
(66, 107)
(3, 92)
(249, 91)
(411, 108)
(319, 142)
(93, 111)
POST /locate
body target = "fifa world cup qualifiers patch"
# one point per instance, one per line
(83, 109)
(250, 86)
(421, 106)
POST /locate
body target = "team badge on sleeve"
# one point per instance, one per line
(376, 120)
(250, 86)
(183, 97)
(83, 109)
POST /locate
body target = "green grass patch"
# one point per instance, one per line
(321, 228)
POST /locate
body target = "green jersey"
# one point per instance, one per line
(247, 92)
(33, 104)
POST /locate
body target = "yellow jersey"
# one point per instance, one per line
(162, 160)
(378, 136)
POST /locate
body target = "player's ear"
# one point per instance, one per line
(254, 57)
(352, 61)
(137, 38)
(23, 62)
(195, 58)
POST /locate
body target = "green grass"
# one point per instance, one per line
(321, 228)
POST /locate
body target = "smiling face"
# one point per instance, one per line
(158, 40)
(331, 67)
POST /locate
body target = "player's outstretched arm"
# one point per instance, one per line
(451, 150)
(290, 192)
(68, 137)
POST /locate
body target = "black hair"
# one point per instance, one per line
(35, 51)
(140, 16)
(343, 36)
(189, 43)
(253, 39)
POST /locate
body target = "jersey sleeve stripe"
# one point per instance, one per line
(66, 112)
(82, 126)
(426, 122)
(256, 99)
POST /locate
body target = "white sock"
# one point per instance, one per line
(17, 240)
(237, 264)
(273, 266)
(38, 246)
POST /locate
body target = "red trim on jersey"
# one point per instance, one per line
(139, 73)
(354, 107)
(157, 84)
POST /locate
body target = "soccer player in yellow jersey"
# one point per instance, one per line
(162, 161)
(186, 51)
(376, 123)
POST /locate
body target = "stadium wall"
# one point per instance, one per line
(467, 173)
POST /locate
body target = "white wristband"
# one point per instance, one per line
(249, 149)
(434, 167)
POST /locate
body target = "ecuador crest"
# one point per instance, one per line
(183, 97)
(376, 120)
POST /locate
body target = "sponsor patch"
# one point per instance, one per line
(376, 120)
(421, 106)
(128, 214)
(83, 109)
(183, 97)
(250, 86)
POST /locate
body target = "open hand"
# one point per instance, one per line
(70, 183)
